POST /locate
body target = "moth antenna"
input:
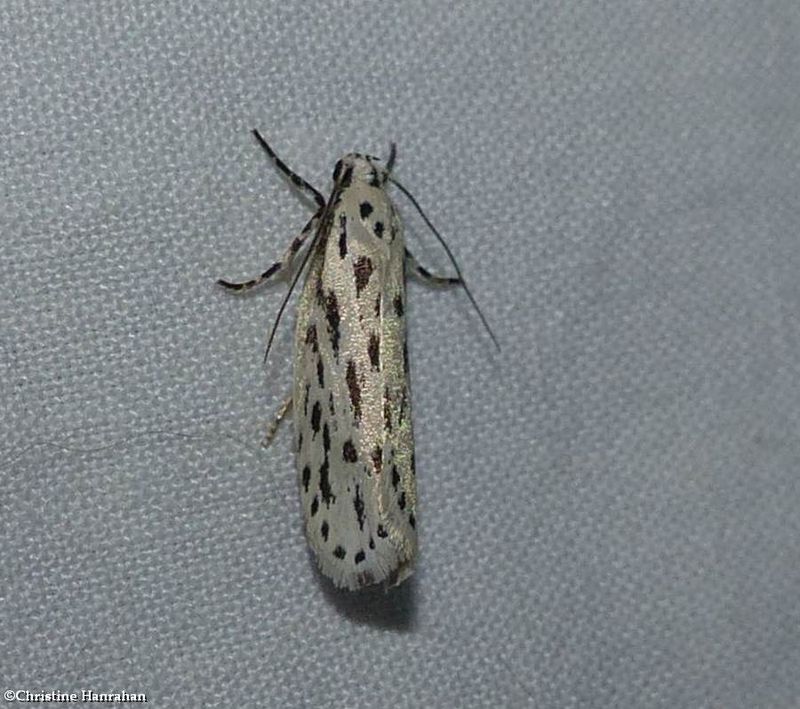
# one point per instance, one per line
(291, 290)
(449, 254)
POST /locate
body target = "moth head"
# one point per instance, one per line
(362, 168)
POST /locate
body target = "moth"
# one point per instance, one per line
(351, 396)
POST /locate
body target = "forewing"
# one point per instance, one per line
(352, 402)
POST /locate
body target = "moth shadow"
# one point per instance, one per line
(392, 609)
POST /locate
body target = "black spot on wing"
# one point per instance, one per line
(326, 439)
(378, 229)
(354, 389)
(378, 306)
(371, 543)
(324, 530)
(314, 505)
(412, 521)
(320, 373)
(325, 484)
(349, 452)
(358, 505)
(342, 236)
(316, 416)
(395, 477)
(339, 552)
(366, 209)
(401, 501)
(331, 406)
(359, 557)
(387, 410)
(381, 531)
(319, 294)
(311, 338)
(332, 316)
(398, 305)
(306, 477)
(374, 350)
(377, 460)
(362, 269)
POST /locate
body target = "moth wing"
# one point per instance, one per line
(356, 476)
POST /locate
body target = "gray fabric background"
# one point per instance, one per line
(609, 507)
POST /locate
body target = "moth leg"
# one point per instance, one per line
(279, 267)
(425, 275)
(291, 174)
(272, 429)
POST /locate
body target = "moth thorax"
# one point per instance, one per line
(359, 168)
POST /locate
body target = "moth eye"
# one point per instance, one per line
(337, 170)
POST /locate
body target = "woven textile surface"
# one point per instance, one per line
(608, 506)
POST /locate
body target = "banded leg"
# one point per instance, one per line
(291, 174)
(425, 275)
(272, 429)
(285, 264)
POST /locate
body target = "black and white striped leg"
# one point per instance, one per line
(425, 275)
(291, 174)
(279, 267)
